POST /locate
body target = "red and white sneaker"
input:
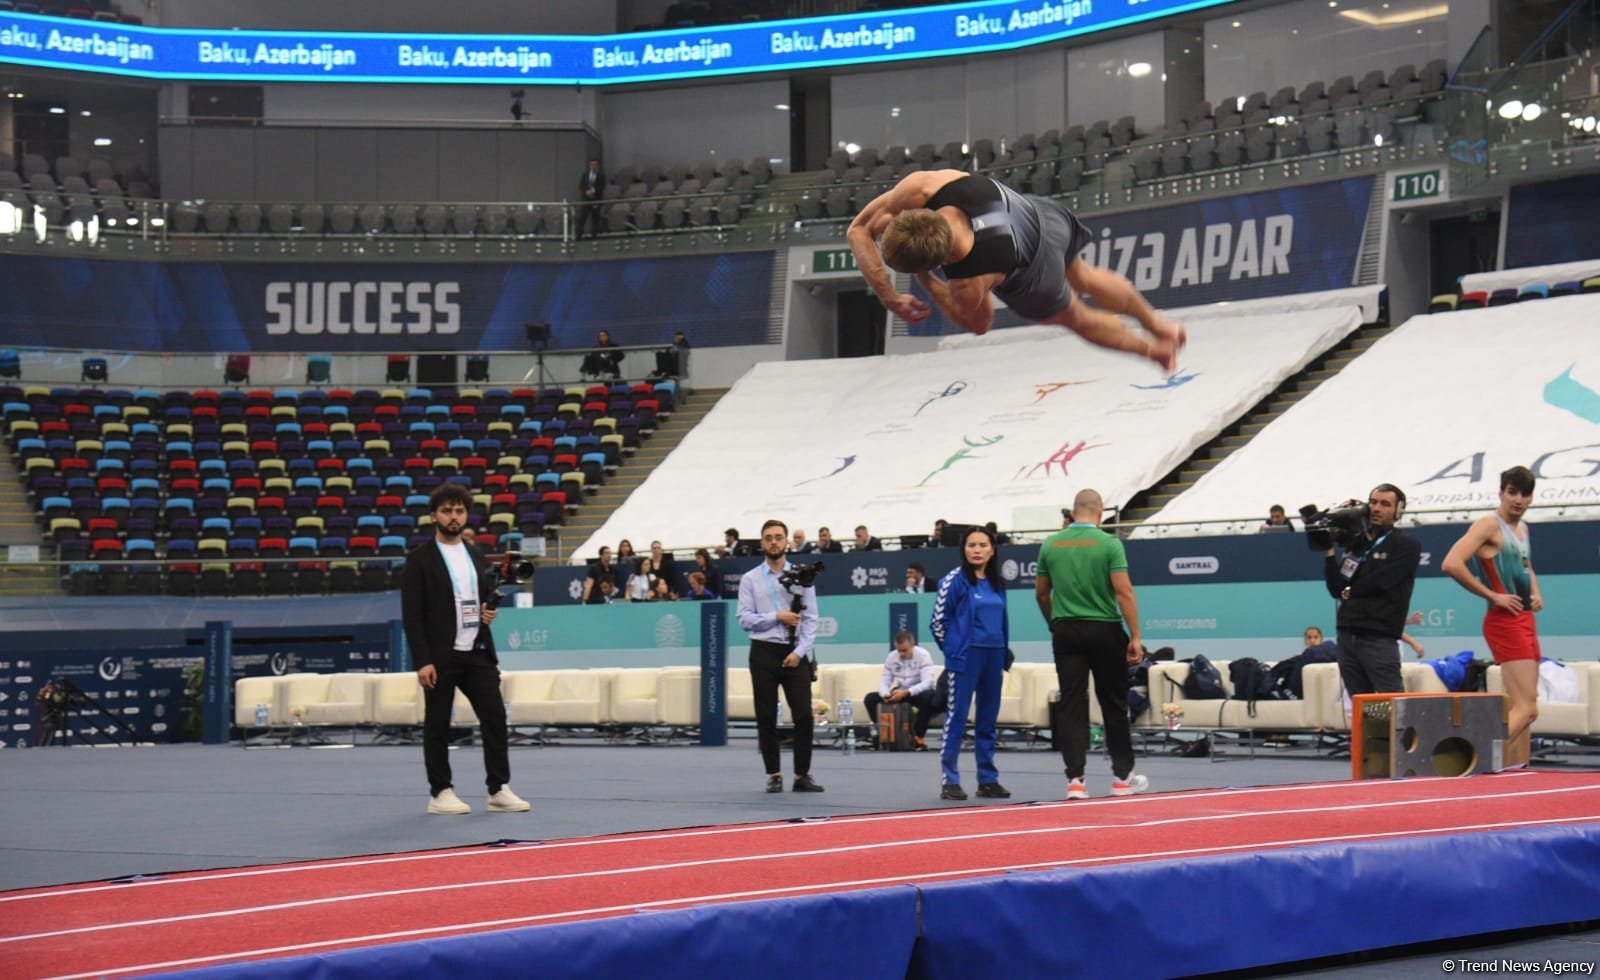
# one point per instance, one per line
(1076, 790)
(1133, 783)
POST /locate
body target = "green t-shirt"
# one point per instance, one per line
(1079, 560)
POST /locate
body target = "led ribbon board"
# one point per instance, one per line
(565, 59)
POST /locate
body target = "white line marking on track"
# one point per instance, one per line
(630, 839)
(462, 886)
(798, 889)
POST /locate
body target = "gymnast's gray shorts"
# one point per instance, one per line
(1039, 290)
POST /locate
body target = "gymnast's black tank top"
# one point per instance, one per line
(1003, 236)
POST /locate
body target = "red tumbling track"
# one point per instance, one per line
(204, 918)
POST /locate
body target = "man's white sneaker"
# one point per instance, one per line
(1134, 783)
(448, 802)
(506, 801)
(1076, 790)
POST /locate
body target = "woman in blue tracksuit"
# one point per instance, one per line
(969, 622)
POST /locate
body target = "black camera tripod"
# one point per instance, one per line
(59, 698)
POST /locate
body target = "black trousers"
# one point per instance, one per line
(1369, 663)
(1082, 647)
(588, 214)
(767, 675)
(924, 703)
(479, 681)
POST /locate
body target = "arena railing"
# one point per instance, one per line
(1477, 149)
(55, 366)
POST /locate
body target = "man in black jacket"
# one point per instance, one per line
(1374, 589)
(447, 627)
(591, 188)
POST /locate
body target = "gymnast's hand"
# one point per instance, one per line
(908, 308)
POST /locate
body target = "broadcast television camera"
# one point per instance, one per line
(803, 576)
(1345, 525)
(512, 569)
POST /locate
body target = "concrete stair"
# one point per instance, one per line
(635, 469)
(18, 526)
(1145, 505)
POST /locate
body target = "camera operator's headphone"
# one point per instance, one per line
(1399, 497)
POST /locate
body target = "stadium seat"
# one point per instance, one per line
(1473, 300)
(1443, 303)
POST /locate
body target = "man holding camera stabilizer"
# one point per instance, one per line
(778, 608)
(447, 608)
(1372, 582)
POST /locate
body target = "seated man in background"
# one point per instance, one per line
(798, 545)
(908, 676)
(1277, 520)
(916, 578)
(825, 542)
(865, 541)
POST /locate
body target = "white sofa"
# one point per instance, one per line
(395, 699)
(1555, 719)
(1310, 713)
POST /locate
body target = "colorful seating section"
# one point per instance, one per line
(251, 492)
(1477, 299)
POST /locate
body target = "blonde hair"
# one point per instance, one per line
(916, 241)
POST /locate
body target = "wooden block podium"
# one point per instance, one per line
(1400, 735)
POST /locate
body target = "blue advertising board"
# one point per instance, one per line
(352, 307)
(218, 54)
(1270, 243)
(139, 677)
(1552, 222)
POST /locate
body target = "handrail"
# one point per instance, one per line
(1521, 61)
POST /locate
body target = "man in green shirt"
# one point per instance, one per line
(1085, 595)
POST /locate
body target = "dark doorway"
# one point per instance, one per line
(39, 130)
(861, 320)
(1461, 246)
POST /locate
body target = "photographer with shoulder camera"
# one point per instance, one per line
(1373, 583)
(447, 611)
(780, 639)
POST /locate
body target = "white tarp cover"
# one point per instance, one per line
(977, 433)
(1439, 408)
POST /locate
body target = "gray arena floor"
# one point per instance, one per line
(76, 814)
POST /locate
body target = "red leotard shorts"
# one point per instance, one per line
(1511, 636)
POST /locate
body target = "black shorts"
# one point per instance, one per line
(1039, 290)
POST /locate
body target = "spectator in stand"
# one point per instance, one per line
(642, 582)
(604, 593)
(661, 592)
(916, 578)
(708, 570)
(1000, 540)
(666, 566)
(469, 535)
(697, 587)
(908, 675)
(670, 362)
(604, 359)
(626, 562)
(865, 541)
(591, 188)
(798, 545)
(826, 544)
(937, 539)
(1276, 519)
(600, 570)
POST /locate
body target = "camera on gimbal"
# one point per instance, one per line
(512, 569)
(1346, 525)
(803, 576)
